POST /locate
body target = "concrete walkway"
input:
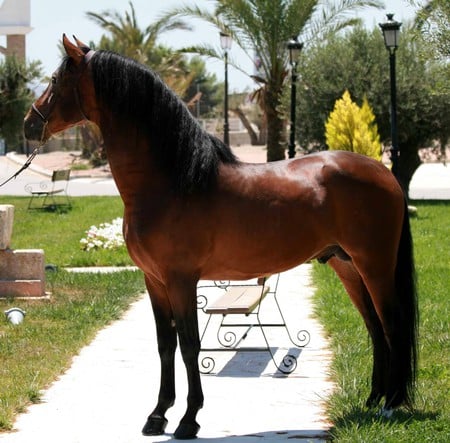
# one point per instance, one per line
(113, 384)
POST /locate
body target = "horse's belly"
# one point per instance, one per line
(249, 253)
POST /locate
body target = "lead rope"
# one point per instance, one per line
(30, 157)
(24, 166)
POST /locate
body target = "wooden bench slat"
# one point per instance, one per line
(238, 300)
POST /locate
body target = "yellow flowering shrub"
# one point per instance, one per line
(353, 128)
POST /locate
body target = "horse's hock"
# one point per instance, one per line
(22, 272)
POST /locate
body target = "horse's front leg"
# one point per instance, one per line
(183, 296)
(167, 343)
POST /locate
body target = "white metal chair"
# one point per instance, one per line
(49, 189)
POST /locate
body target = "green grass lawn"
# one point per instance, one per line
(352, 363)
(33, 354)
(59, 233)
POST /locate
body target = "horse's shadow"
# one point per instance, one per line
(357, 415)
(307, 435)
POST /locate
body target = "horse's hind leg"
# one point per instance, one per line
(360, 297)
(391, 313)
(167, 342)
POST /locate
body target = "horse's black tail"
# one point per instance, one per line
(405, 282)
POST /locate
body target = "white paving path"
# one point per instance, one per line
(113, 383)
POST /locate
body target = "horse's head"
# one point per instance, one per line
(67, 100)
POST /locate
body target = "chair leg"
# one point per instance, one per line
(32, 199)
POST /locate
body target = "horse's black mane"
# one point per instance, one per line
(132, 91)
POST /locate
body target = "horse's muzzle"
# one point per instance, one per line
(33, 127)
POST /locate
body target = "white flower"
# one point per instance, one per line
(105, 236)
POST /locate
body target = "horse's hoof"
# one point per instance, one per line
(155, 425)
(373, 401)
(187, 431)
(385, 412)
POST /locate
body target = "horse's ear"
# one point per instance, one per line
(72, 51)
(85, 48)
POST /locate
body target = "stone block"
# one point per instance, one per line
(22, 264)
(22, 272)
(22, 288)
(6, 225)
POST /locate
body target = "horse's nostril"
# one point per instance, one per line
(32, 130)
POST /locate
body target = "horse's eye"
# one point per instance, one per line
(54, 79)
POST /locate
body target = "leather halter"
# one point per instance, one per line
(87, 59)
(44, 118)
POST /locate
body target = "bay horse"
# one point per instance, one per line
(193, 211)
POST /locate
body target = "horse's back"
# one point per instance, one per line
(357, 180)
(333, 167)
(313, 179)
(349, 181)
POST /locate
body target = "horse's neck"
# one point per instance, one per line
(134, 171)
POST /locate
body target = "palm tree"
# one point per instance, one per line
(263, 27)
(127, 38)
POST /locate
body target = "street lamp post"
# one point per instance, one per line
(391, 34)
(294, 47)
(225, 44)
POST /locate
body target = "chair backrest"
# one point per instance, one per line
(61, 175)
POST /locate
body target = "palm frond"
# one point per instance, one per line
(206, 50)
(109, 21)
(332, 18)
(223, 23)
(299, 13)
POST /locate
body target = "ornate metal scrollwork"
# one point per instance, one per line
(222, 284)
(207, 364)
(202, 302)
(288, 364)
(228, 338)
(303, 338)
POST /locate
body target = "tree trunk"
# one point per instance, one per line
(408, 163)
(263, 130)
(276, 137)
(253, 136)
